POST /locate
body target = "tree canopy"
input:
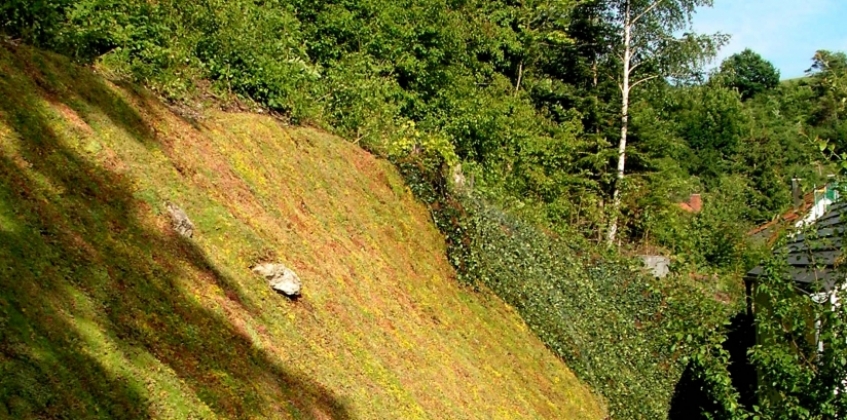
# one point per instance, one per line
(749, 73)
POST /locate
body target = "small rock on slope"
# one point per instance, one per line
(180, 221)
(280, 278)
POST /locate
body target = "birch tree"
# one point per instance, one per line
(650, 48)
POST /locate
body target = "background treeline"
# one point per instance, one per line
(524, 93)
(525, 96)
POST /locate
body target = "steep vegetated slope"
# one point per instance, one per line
(642, 342)
(105, 313)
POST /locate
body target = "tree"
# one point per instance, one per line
(828, 82)
(528, 30)
(34, 21)
(650, 50)
(712, 121)
(749, 73)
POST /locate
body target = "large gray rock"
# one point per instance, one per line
(180, 221)
(280, 278)
(658, 265)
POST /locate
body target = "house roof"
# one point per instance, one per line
(770, 230)
(814, 255)
(693, 205)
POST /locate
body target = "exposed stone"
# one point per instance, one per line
(180, 221)
(457, 176)
(458, 180)
(280, 278)
(658, 265)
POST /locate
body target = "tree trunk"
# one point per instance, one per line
(594, 72)
(616, 196)
(520, 79)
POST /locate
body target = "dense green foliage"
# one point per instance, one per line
(606, 320)
(624, 333)
(525, 96)
(800, 347)
(797, 380)
(749, 73)
(798, 355)
(524, 91)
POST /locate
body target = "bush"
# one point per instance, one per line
(256, 50)
(627, 335)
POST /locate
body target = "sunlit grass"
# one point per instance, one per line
(104, 313)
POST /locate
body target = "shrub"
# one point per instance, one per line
(627, 335)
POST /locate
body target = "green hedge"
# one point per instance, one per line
(626, 334)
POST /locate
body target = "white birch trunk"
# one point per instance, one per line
(625, 87)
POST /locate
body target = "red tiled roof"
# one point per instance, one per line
(788, 217)
(693, 205)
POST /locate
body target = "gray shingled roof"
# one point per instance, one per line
(814, 257)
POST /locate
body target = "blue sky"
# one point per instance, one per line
(785, 32)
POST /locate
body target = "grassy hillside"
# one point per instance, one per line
(105, 313)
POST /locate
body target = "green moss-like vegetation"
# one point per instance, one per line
(106, 313)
